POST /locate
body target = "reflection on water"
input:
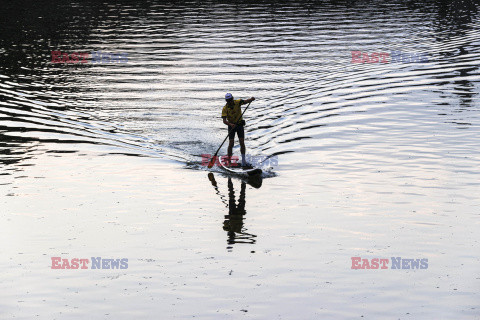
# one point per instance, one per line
(234, 220)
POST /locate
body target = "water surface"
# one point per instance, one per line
(375, 160)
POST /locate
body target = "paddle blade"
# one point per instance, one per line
(211, 163)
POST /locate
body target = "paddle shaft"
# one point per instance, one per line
(212, 162)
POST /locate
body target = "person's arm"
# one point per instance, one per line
(247, 101)
(225, 121)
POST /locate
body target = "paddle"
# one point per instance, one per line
(212, 162)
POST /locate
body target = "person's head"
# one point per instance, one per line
(229, 98)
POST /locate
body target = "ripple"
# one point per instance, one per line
(295, 58)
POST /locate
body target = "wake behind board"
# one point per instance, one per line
(250, 172)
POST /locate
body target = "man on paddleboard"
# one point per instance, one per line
(231, 115)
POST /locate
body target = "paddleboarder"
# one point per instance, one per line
(232, 117)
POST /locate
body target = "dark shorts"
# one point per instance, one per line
(238, 130)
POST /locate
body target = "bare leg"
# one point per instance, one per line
(242, 145)
(242, 150)
(230, 148)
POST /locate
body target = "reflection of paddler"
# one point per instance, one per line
(234, 220)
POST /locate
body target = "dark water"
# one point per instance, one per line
(374, 159)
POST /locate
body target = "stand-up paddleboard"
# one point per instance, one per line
(241, 171)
